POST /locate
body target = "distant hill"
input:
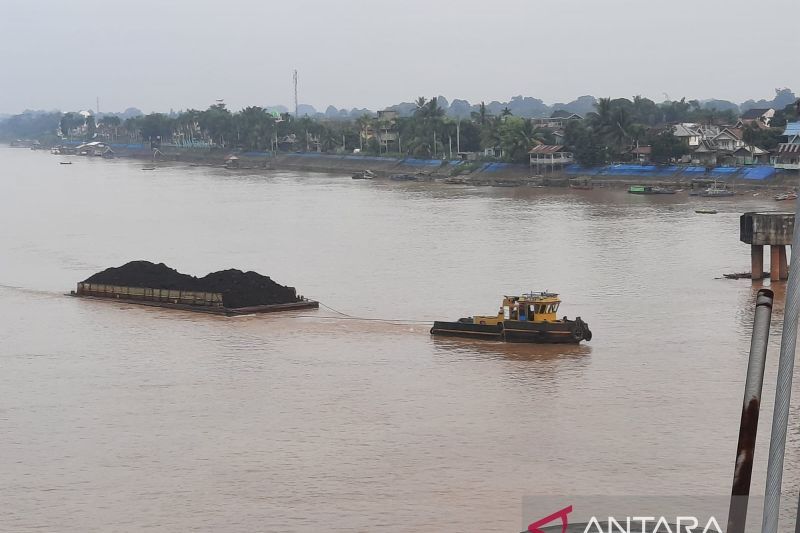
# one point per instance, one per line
(530, 107)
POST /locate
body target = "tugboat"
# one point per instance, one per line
(530, 318)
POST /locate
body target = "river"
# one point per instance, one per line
(119, 417)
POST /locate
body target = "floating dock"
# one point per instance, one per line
(202, 302)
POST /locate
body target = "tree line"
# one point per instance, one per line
(606, 134)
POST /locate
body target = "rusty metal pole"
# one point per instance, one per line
(743, 469)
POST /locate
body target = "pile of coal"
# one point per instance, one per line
(246, 289)
(239, 289)
(145, 274)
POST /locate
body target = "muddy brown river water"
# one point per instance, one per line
(125, 418)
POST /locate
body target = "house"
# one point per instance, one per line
(388, 134)
(288, 142)
(387, 115)
(708, 131)
(94, 148)
(729, 139)
(687, 134)
(788, 154)
(642, 154)
(558, 120)
(706, 154)
(550, 156)
(559, 137)
(759, 117)
(750, 155)
(788, 157)
(468, 156)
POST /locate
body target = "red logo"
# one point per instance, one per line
(534, 528)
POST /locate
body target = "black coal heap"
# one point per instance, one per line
(239, 289)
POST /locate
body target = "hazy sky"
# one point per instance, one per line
(162, 54)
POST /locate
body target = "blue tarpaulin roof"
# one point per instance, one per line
(792, 128)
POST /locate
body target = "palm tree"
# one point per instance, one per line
(617, 129)
(602, 116)
(480, 115)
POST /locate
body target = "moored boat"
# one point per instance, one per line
(786, 196)
(527, 318)
(649, 189)
(714, 191)
(364, 175)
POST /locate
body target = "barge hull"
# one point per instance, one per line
(570, 332)
(464, 329)
(199, 302)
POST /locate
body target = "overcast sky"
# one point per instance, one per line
(157, 54)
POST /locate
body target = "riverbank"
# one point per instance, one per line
(465, 172)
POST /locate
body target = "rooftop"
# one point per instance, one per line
(753, 114)
(546, 149)
(792, 128)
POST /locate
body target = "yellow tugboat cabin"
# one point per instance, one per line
(530, 307)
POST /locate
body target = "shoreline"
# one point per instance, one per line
(458, 172)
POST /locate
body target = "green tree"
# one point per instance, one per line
(516, 138)
(217, 122)
(666, 147)
(69, 122)
(585, 144)
(156, 126)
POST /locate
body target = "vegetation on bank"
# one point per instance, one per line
(604, 135)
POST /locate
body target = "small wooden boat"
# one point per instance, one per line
(65, 162)
(706, 211)
(716, 192)
(649, 189)
(786, 196)
(528, 318)
(148, 168)
(364, 175)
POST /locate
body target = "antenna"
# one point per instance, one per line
(295, 93)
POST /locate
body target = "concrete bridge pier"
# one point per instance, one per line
(767, 229)
(778, 268)
(757, 261)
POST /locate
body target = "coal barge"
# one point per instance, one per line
(227, 292)
(527, 318)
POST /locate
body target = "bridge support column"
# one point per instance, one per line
(757, 261)
(784, 265)
(775, 262)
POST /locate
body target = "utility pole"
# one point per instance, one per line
(98, 106)
(450, 143)
(295, 95)
(458, 136)
(434, 143)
